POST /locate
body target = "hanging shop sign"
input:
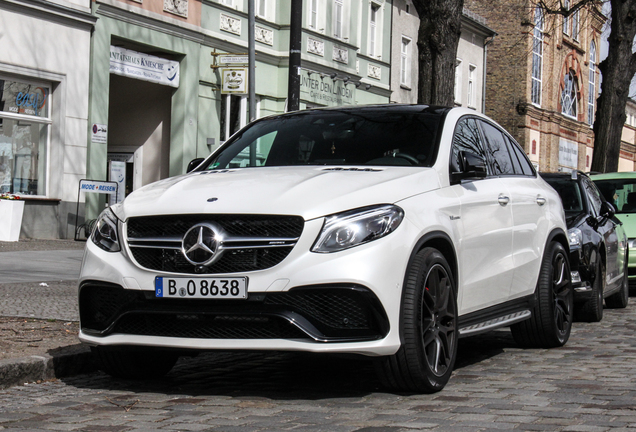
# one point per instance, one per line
(22, 98)
(234, 81)
(133, 64)
(225, 60)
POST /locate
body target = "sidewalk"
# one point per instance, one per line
(38, 311)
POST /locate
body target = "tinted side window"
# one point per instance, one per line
(497, 150)
(467, 139)
(593, 195)
(520, 160)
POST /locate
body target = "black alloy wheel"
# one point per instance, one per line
(425, 360)
(592, 309)
(551, 320)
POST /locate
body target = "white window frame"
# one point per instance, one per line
(227, 2)
(405, 61)
(591, 97)
(46, 121)
(575, 25)
(374, 24)
(472, 86)
(566, 19)
(338, 14)
(313, 15)
(458, 81)
(536, 87)
(260, 9)
(568, 96)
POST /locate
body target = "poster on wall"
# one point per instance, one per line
(117, 174)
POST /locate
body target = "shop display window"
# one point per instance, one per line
(24, 130)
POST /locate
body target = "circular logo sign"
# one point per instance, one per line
(201, 244)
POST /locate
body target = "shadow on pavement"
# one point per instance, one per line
(281, 375)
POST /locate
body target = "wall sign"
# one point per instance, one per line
(99, 133)
(23, 98)
(325, 91)
(568, 153)
(133, 64)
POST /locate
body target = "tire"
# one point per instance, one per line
(134, 364)
(428, 328)
(592, 309)
(551, 320)
(621, 298)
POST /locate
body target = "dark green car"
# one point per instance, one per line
(619, 188)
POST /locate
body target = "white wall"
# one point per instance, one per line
(35, 45)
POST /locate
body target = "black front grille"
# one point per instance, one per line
(325, 313)
(155, 241)
(234, 225)
(207, 326)
(234, 261)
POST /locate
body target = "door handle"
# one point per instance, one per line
(540, 200)
(503, 199)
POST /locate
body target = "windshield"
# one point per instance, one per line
(621, 193)
(333, 137)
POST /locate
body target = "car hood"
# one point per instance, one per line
(309, 192)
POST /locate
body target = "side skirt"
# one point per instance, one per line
(501, 315)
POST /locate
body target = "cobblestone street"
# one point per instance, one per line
(589, 385)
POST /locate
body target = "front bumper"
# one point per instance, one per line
(344, 302)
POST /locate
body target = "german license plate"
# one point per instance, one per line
(215, 288)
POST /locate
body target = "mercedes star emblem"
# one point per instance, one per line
(201, 244)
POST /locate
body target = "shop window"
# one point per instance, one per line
(24, 135)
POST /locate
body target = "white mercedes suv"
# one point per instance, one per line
(388, 231)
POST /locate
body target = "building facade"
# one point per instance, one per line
(157, 126)
(131, 91)
(543, 78)
(44, 87)
(471, 59)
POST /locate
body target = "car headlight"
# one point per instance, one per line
(345, 230)
(105, 232)
(631, 243)
(575, 237)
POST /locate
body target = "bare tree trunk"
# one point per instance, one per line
(438, 37)
(618, 69)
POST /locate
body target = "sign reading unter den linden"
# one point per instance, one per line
(133, 64)
(325, 91)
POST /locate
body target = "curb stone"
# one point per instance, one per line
(58, 363)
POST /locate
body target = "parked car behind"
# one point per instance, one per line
(620, 189)
(388, 231)
(598, 246)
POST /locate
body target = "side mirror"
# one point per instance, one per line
(471, 167)
(607, 210)
(194, 163)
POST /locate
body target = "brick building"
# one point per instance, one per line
(543, 79)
